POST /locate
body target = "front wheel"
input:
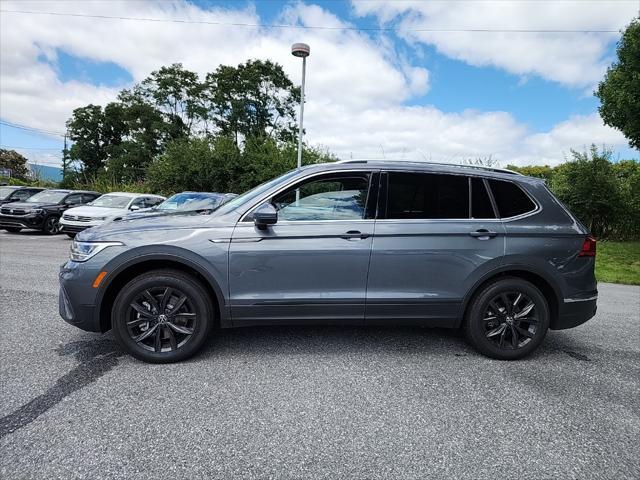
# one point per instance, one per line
(162, 316)
(71, 234)
(507, 319)
(51, 225)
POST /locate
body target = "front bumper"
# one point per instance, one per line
(22, 221)
(77, 297)
(576, 311)
(66, 228)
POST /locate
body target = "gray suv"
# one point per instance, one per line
(358, 242)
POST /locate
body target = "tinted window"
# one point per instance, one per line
(75, 199)
(480, 203)
(510, 199)
(335, 198)
(420, 195)
(21, 195)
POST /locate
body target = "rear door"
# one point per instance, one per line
(312, 264)
(435, 235)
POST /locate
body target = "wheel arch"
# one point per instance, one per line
(121, 276)
(546, 285)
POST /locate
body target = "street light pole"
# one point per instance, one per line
(301, 50)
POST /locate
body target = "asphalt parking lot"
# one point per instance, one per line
(309, 402)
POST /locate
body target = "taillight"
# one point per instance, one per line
(588, 247)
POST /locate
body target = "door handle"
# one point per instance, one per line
(354, 234)
(483, 233)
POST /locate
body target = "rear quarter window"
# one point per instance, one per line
(510, 199)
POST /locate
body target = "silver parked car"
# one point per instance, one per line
(489, 251)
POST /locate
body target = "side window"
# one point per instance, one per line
(21, 195)
(425, 195)
(153, 201)
(510, 199)
(480, 202)
(74, 199)
(140, 202)
(333, 198)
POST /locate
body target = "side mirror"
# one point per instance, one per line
(266, 214)
(134, 207)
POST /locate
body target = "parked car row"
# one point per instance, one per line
(72, 211)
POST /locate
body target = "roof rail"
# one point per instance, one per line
(478, 167)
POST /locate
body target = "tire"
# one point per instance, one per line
(51, 225)
(143, 333)
(71, 234)
(13, 229)
(499, 322)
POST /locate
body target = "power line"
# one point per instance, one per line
(306, 27)
(31, 129)
(13, 147)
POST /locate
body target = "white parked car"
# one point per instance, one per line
(105, 208)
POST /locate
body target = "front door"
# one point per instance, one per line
(437, 235)
(312, 264)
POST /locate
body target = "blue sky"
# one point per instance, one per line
(518, 97)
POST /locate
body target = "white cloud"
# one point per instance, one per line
(359, 88)
(574, 59)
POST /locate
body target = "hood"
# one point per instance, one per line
(29, 206)
(119, 229)
(90, 211)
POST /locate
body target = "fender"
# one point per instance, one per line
(174, 254)
(512, 264)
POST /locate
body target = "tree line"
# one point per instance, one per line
(228, 131)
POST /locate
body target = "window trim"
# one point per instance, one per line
(369, 172)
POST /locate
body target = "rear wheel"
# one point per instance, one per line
(51, 225)
(162, 316)
(13, 229)
(507, 319)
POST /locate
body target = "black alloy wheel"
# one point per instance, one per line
(510, 320)
(51, 225)
(161, 319)
(507, 319)
(162, 316)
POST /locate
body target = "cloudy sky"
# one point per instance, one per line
(420, 80)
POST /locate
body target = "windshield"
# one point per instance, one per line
(6, 191)
(110, 201)
(48, 196)
(253, 193)
(190, 202)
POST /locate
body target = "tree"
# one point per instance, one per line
(15, 162)
(540, 171)
(202, 164)
(176, 94)
(254, 99)
(589, 187)
(619, 92)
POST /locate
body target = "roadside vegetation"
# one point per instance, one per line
(618, 262)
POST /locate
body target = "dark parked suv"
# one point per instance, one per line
(12, 193)
(359, 243)
(42, 211)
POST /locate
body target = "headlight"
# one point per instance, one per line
(99, 218)
(83, 251)
(36, 210)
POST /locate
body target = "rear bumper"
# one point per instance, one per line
(576, 311)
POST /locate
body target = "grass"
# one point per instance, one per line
(618, 262)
